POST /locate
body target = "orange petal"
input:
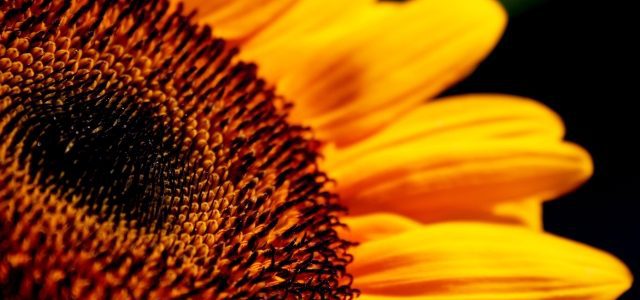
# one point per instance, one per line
(463, 118)
(416, 179)
(458, 159)
(485, 261)
(376, 226)
(525, 212)
(352, 66)
(238, 19)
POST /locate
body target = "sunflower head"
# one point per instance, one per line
(140, 159)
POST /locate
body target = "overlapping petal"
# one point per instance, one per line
(467, 174)
(353, 66)
(238, 20)
(464, 117)
(356, 71)
(459, 158)
(524, 212)
(484, 261)
(376, 226)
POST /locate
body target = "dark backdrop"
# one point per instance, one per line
(577, 57)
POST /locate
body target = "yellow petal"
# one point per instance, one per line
(463, 118)
(378, 226)
(419, 180)
(352, 66)
(238, 19)
(466, 118)
(375, 226)
(485, 261)
(525, 212)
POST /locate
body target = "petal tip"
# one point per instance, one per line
(584, 164)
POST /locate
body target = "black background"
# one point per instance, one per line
(577, 57)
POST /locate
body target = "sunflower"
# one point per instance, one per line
(142, 157)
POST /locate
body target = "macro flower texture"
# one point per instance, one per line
(276, 149)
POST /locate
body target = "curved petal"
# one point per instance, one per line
(376, 226)
(461, 158)
(525, 212)
(415, 180)
(485, 261)
(238, 19)
(352, 66)
(462, 118)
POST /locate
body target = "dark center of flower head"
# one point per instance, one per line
(140, 160)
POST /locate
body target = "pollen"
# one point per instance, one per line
(140, 159)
